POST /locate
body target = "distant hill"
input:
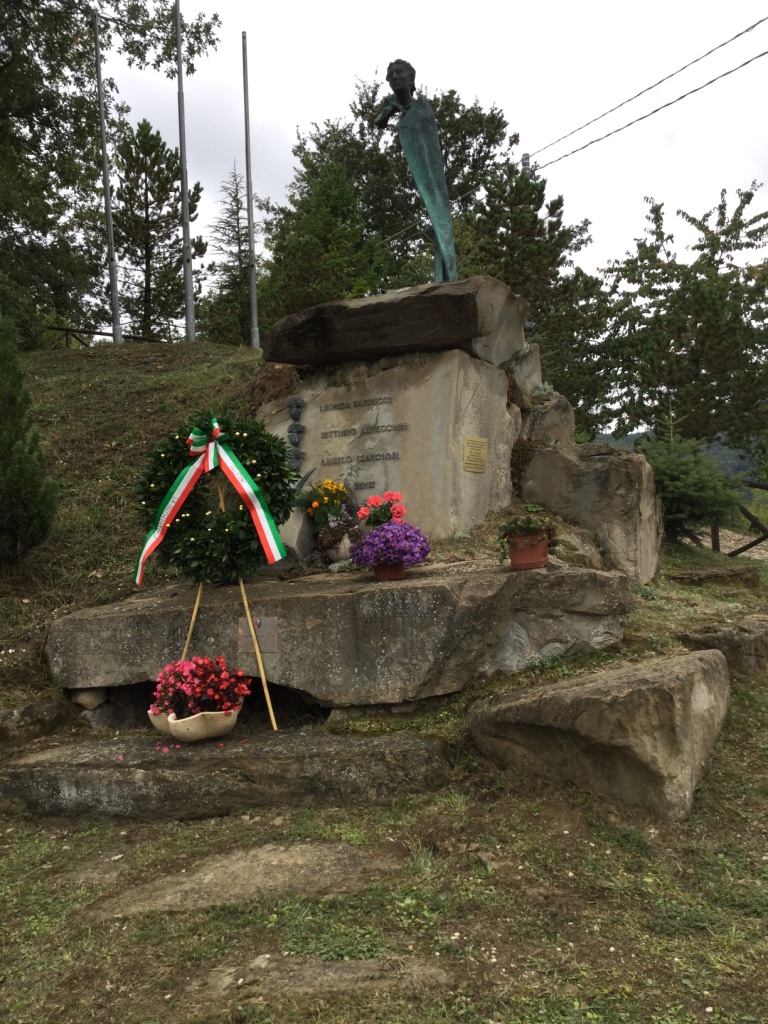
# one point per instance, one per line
(728, 460)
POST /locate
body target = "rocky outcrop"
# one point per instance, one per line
(640, 734)
(19, 725)
(549, 420)
(479, 314)
(609, 492)
(345, 639)
(745, 645)
(131, 777)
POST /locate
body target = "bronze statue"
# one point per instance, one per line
(417, 130)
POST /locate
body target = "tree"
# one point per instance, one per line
(147, 221)
(27, 496)
(225, 313)
(51, 231)
(692, 335)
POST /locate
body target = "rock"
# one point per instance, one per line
(740, 575)
(608, 491)
(271, 977)
(402, 425)
(204, 780)
(551, 420)
(88, 698)
(18, 725)
(525, 367)
(306, 869)
(744, 645)
(639, 734)
(479, 314)
(347, 640)
(576, 546)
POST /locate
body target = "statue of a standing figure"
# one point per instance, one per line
(417, 130)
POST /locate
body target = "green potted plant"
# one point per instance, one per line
(526, 538)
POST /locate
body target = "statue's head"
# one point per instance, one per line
(401, 73)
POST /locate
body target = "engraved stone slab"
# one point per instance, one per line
(479, 314)
(403, 425)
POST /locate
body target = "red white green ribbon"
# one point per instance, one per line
(212, 453)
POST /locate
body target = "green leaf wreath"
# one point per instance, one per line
(204, 542)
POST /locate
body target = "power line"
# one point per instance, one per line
(650, 87)
(652, 112)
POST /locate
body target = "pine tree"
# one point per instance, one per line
(148, 235)
(27, 496)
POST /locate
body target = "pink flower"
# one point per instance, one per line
(220, 744)
(374, 501)
(398, 511)
(165, 750)
(119, 757)
(363, 513)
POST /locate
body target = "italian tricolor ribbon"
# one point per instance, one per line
(211, 453)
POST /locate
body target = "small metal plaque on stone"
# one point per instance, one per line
(266, 634)
(475, 454)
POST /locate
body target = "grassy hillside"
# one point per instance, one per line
(99, 412)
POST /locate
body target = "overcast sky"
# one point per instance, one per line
(550, 67)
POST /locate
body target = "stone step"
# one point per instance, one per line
(131, 777)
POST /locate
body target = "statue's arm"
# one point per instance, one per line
(382, 118)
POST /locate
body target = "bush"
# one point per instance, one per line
(693, 489)
(27, 496)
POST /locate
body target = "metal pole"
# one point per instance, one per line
(189, 290)
(255, 342)
(117, 334)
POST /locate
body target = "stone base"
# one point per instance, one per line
(278, 770)
(402, 425)
(344, 639)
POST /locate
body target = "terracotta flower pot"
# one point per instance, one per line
(206, 725)
(384, 571)
(160, 722)
(528, 550)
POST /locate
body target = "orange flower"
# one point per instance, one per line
(374, 501)
(398, 511)
(315, 504)
(363, 512)
(392, 496)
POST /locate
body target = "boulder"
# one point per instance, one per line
(549, 420)
(131, 777)
(639, 734)
(89, 698)
(405, 425)
(479, 314)
(344, 639)
(745, 645)
(736, 575)
(609, 492)
(18, 725)
(525, 367)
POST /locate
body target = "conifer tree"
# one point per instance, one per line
(148, 235)
(27, 496)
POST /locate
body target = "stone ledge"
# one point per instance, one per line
(204, 780)
(344, 639)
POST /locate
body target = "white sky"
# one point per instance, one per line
(548, 66)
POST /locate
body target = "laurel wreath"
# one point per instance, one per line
(205, 542)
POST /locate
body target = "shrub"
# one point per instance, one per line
(27, 496)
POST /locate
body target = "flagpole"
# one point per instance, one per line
(255, 341)
(189, 289)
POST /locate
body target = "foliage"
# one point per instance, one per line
(51, 212)
(693, 335)
(204, 541)
(392, 543)
(148, 236)
(224, 315)
(27, 496)
(188, 688)
(694, 491)
(380, 509)
(331, 510)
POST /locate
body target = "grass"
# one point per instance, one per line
(542, 903)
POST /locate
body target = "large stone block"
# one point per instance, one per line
(639, 734)
(347, 640)
(609, 492)
(479, 314)
(203, 780)
(745, 644)
(404, 425)
(549, 420)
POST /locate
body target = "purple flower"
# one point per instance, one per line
(391, 543)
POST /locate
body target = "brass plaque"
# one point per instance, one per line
(475, 454)
(266, 634)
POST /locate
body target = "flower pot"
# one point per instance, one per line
(528, 550)
(340, 552)
(206, 725)
(160, 722)
(384, 571)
